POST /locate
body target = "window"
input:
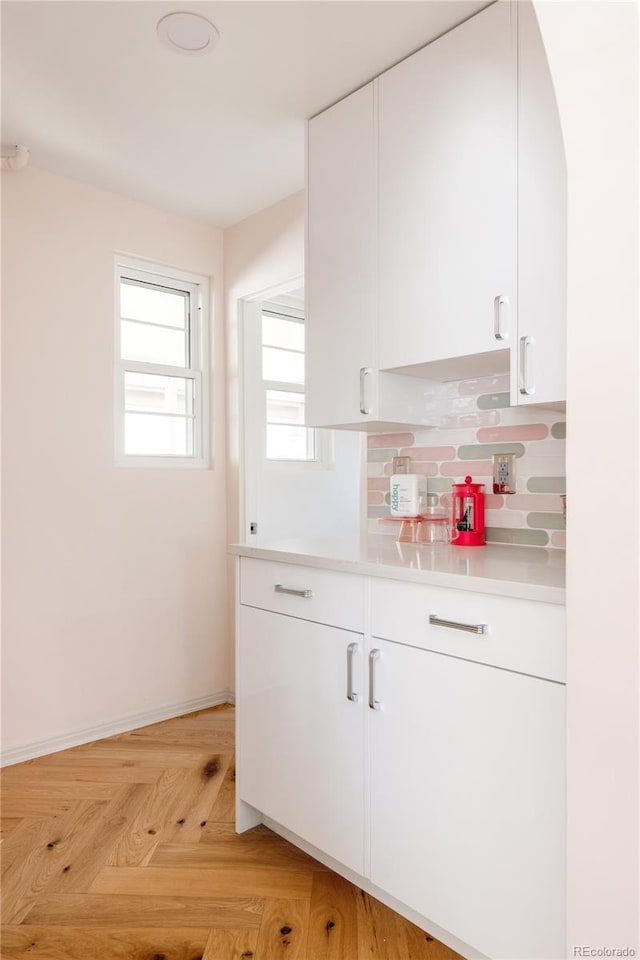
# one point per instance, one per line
(283, 382)
(161, 384)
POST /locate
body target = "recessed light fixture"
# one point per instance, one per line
(188, 33)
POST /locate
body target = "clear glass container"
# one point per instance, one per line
(410, 530)
(435, 527)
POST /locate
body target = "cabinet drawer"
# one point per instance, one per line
(522, 635)
(336, 599)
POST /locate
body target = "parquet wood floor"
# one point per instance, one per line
(125, 849)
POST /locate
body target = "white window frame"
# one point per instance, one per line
(198, 369)
(324, 448)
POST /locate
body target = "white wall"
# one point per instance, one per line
(294, 501)
(114, 579)
(294, 504)
(593, 54)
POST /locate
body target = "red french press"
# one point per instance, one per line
(468, 514)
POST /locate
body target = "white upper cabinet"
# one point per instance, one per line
(344, 387)
(538, 365)
(341, 261)
(448, 198)
(436, 230)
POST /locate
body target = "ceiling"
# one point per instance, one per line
(94, 94)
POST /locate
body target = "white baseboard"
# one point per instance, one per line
(40, 748)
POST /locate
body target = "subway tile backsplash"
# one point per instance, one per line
(476, 421)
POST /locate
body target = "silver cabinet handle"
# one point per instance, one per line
(364, 373)
(527, 386)
(479, 628)
(373, 703)
(500, 314)
(294, 593)
(351, 649)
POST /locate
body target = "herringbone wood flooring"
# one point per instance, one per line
(125, 849)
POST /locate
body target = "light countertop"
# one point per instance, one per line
(531, 573)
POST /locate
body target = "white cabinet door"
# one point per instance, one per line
(300, 739)
(467, 799)
(344, 387)
(341, 262)
(538, 371)
(447, 196)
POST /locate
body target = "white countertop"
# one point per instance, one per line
(531, 573)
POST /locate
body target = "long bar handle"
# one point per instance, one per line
(373, 702)
(351, 650)
(364, 373)
(500, 312)
(279, 588)
(527, 387)
(478, 628)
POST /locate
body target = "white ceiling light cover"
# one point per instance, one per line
(188, 33)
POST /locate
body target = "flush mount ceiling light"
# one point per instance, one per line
(188, 33)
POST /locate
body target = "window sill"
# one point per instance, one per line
(164, 463)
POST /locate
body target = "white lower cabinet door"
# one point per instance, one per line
(300, 737)
(468, 799)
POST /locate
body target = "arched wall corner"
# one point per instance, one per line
(592, 49)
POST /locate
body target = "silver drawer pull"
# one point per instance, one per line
(373, 702)
(279, 588)
(479, 628)
(351, 650)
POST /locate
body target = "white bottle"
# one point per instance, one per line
(408, 494)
